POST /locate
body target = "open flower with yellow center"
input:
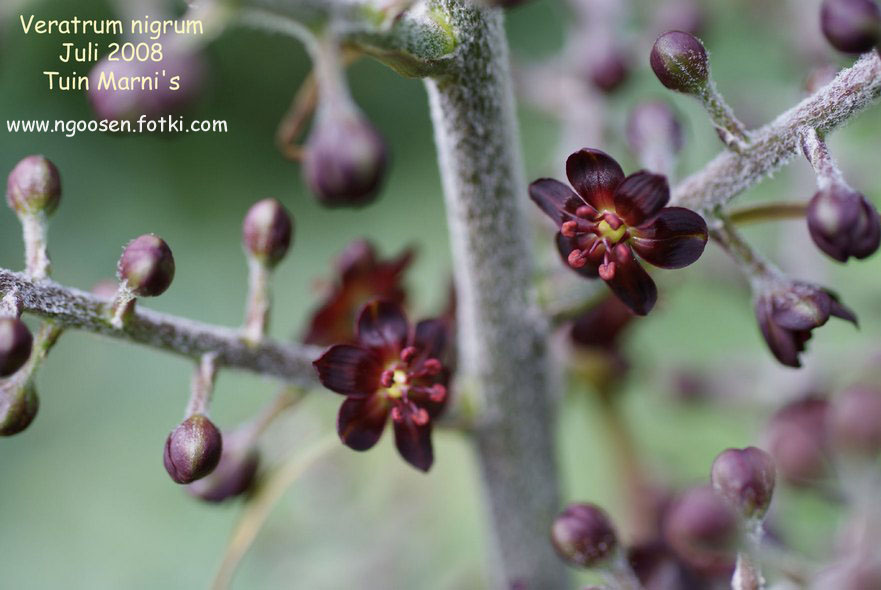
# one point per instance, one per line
(609, 217)
(389, 371)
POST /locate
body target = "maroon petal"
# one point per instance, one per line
(594, 175)
(557, 200)
(641, 196)
(566, 245)
(361, 421)
(382, 325)
(349, 370)
(673, 239)
(633, 285)
(414, 442)
(430, 338)
(784, 344)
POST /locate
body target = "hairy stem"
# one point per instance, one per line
(76, 309)
(774, 145)
(502, 333)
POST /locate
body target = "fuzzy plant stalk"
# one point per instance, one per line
(501, 334)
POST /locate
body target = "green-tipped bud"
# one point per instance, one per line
(680, 62)
(34, 186)
(18, 406)
(267, 231)
(193, 449)
(15, 345)
(146, 266)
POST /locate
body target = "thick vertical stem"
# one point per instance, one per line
(502, 335)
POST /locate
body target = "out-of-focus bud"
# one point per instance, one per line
(843, 223)
(130, 105)
(193, 449)
(787, 313)
(819, 77)
(584, 536)
(34, 186)
(18, 406)
(745, 478)
(680, 15)
(703, 530)
(861, 573)
(855, 421)
(653, 123)
(267, 231)
(233, 476)
(16, 342)
(680, 62)
(345, 158)
(798, 440)
(851, 26)
(609, 70)
(146, 266)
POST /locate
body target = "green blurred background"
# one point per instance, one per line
(84, 500)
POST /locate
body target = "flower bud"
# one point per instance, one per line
(797, 439)
(129, 105)
(266, 231)
(146, 266)
(583, 535)
(703, 530)
(653, 123)
(18, 406)
(609, 70)
(34, 185)
(787, 313)
(851, 26)
(843, 223)
(193, 449)
(745, 478)
(233, 476)
(345, 159)
(680, 62)
(15, 345)
(855, 421)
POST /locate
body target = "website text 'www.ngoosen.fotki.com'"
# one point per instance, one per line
(70, 128)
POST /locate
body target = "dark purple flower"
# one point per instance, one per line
(745, 478)
(361, 276)
(609, 218)
(788, 313)
(16, 342)
(851, 26)
(389, 371)
(843, 223)
(583, 535)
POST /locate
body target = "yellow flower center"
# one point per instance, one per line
(613, 235)
(399, 379)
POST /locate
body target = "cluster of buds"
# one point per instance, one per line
(701, 532)
(33, 192)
